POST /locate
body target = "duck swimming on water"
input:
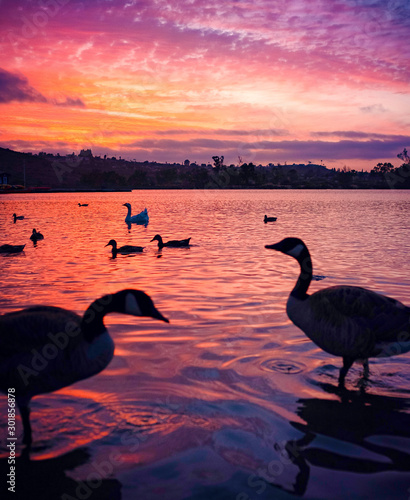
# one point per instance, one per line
(269, 219)
(172, 243)
(124, 249)
(11, 248)
(45, 348)
(348, 321)
(35, 236)
(18, 217)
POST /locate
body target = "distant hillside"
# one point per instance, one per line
(38, 171)
(87, 172)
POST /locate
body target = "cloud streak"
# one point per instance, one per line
(14, 87)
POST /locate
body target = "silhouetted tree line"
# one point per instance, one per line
(60, 172)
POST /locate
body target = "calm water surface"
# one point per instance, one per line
(230, 400)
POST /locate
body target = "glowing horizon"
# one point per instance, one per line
(166, 81)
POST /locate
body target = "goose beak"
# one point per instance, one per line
(273, 247)
(157, 315)
(152, 239)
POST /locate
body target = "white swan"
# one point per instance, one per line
(141, 218)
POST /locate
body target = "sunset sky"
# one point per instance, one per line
(266, 80)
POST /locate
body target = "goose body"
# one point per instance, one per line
(35, 236)
(124, 249)
(348, 321)
(18, 217)
(11, 248)
(45, 348)
(83, 204)
(171, 243)
(269, 219)
(141, 218)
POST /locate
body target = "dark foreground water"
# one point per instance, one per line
(230, 400)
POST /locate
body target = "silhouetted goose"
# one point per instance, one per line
(11, 248)
(83, 204)
(269, 219)
(141, 218)
(35, 236)
(346, 321)
(45, 348)
(172, 243)
(124, 249)
(18, 217)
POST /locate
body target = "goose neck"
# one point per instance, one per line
(92, 323)
(305, 276)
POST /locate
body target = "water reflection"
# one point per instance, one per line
(368, 434)
(48, 478)
(219, 399)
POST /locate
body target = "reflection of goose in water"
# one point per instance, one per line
(48, 478)
(346, 321)
(141, 218)
(45, 348)
(357, 436)
(171, 243)
(125, 249)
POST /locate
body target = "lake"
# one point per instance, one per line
(230, 400)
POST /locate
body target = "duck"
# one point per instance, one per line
(348, 321)
(269, 219)
(35, 236)
(11, 248)
(124, 249)
(18, 217)
(46, 348)
(172, 243)
(83, 204)
(141, 218)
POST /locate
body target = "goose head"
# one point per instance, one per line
(157, 237)
(135, 303)
(290, 246)
(128, 205)
(113, 243)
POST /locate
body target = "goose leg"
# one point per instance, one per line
(25, 417)
(366, 371)
(347, 363)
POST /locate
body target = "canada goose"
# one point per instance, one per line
(269, 219)
(11, 248)
(83, 204)
(45, 348)
(141, 218)
(172, 243)
(347, 321)
(36, 236)
(18, 217)
(124, 249)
